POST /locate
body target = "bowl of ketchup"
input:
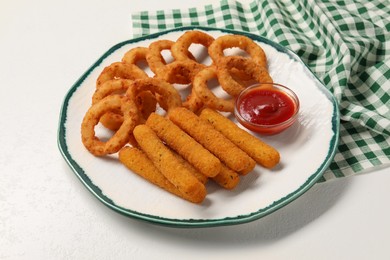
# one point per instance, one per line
(267, 108)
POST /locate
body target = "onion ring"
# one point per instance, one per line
(134, 55)
(193, 103)
(120, 137)
(216, 49)
(120, 70)
(117, 70)
(155, 59)
(146, 101)
(180, 49)
(206, 95)
(110, 87)
(226, 79)
(158, 64)
(181, 72)
(167, 96)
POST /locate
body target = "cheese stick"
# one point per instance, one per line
(203, 132)
(137, 161)
(184, 145)
(227, 178)
(164, 160)
(261, 152)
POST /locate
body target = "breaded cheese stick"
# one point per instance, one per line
(261, 152)
(203, 132)
(227, 178)
(164, 160)
(201, 177)
(184, 145)
(137, 161)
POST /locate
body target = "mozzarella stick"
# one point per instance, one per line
(184, 145)
(227, 178)
(203, 132)
(164, 160)
(262, 153)
(201, 177)
(137, 161)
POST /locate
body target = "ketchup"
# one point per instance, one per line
(266, 110)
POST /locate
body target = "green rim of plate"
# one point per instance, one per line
(240, 219)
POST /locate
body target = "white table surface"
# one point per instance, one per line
(47, 213)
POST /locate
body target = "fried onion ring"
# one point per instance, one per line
(193, 103)
(181, 72)
(158, 64)
(110, 87)
(180, 49)
(206, 95)
(167, 96)
(120, 137)
(146, 101)
(117, 70)
(120, 70)
(135, 55)
(154, 57)
(216, 49)
(226, 78)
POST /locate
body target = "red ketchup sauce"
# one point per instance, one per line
(266, 110)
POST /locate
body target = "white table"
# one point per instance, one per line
(46, 212)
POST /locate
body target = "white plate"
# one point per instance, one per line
(306, 149)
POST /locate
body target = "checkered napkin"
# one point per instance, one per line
(345, 43)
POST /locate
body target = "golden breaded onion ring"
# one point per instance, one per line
(180, 49)
(216, 49)
(206, 95)
(121, 137)
(120, 70)
(146, 102)
(158, 64)
(248, 66)
(135, 55)
(155, 59)
(167, 96)
(193, 103)
(181, 72)
(116, 71)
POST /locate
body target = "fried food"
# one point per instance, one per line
(244, 65)
(227, 178)
(154, 57)
(168, 164)
(185, 145)
(193, 103)
(120, 70)
(209, 99)
(110, 87)
(201, 177)
(262, 153)
(167, 96)
(135, 55)
(146, 101)
(203, 132)
(158, 64)
(107, 78)
(111, 120)
(180, 49)
(137, 161)
(181, 72)
(192, 143)
(108, 104)
(216, 49)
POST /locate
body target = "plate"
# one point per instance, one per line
(306, 149)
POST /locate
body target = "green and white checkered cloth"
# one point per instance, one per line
(345, 43)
